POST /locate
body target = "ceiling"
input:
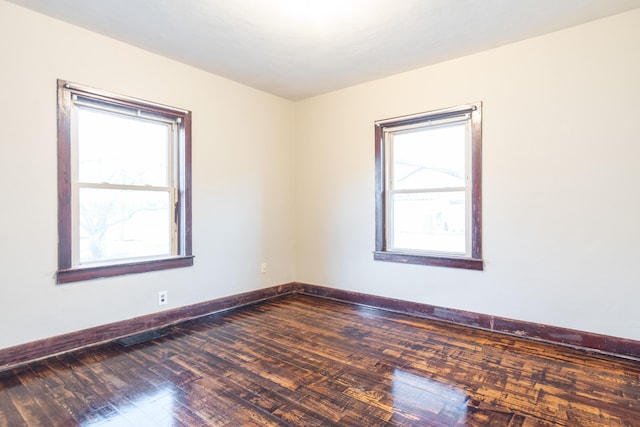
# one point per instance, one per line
(300, 48)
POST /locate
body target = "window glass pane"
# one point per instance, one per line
(429, 157)
(429, 222)
(118, 149)
(117, 224)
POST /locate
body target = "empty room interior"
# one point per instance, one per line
(296, 213)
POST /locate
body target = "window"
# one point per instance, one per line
(428, 188)
(124, 185)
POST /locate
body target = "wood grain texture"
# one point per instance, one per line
(14, 356)
(533, 331)
(306, 361)
(19, 354)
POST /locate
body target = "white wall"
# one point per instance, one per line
(242, 180)
(561, 181)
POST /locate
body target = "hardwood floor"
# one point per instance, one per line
(307, 361)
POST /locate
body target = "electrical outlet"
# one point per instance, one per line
(263, 267)
(162, 297)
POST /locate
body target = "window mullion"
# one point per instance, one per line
(429, 190)
(105, 185)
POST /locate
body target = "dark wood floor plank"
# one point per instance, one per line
(305, 361)
(30, 406)
(265, 374)
(9, 414)
(360, 381)
(31, 377)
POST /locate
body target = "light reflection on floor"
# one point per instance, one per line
(155, 409)
(414, 394)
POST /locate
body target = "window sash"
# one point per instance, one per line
(391, 192)
(182, 193)
(77, 185)
(94, 104)
(384, 250)
(172, 154)
(171, 231)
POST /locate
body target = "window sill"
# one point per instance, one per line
(78, 274)
(406, 258)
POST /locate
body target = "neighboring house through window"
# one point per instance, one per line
(428, 188)
(124, 185)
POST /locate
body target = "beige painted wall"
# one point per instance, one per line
(561, 182)
(561, 194)
(242, 180)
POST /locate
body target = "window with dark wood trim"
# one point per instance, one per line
(428, 188)
(124, 185)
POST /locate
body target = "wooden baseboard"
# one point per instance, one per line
(23, 353)
(13, 356)
(614, 346)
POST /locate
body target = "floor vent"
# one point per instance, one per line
(140, 338)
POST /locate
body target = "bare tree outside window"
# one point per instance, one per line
(124, 185)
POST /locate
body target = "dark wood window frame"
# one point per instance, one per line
(381, 253)
(67, 272)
